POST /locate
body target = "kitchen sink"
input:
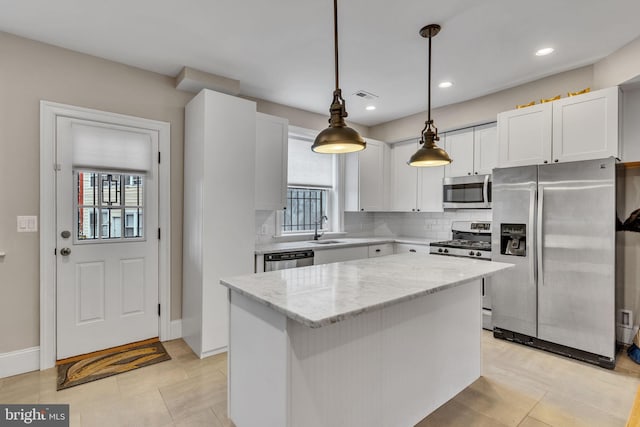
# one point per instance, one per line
(324, 242)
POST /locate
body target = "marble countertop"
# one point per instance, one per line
(320, 295)
(343, 242)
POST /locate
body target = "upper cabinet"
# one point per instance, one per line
(272, 136)
(367, 178)
(474, 151)
(414, 189)
(582, 127)
(459, 145)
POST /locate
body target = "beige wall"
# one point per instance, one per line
(486, 108)
(301, 118)
(31, 71)
(621, 66)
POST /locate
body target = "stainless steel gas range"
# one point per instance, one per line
(471, 239)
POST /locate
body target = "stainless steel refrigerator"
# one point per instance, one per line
(557, 224)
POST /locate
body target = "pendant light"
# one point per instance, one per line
(338, 137)
(429, 154)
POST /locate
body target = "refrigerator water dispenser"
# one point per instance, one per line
(513, 238)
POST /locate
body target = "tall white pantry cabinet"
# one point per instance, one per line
(218, 230)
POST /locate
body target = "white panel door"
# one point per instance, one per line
(524, 136)
(430, 189)
(585, 127)
(372, 176)
(272, 136)
(107, 240)
(485, 149)
(459, 145)
(404, 178)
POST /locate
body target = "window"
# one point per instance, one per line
(305, 207)
(310, 192)
(103, 199)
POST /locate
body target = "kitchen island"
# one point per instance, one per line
(373, 342)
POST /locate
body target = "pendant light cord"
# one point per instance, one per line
(429, 84)
(335, 37)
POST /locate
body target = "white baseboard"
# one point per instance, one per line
(175, 329)
(213, 352)
(19, 361)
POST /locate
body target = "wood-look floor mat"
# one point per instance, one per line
(105, 365)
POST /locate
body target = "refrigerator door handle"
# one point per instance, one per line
(539, 242)
(485, 190)
(532, 243)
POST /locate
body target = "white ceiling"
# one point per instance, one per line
(282, 50)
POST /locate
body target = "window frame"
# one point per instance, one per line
(100, 208)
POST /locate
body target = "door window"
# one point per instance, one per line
(110, 206)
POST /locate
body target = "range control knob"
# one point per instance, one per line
(440, 250)
(471, 253)
(478, 254)
(446, 251)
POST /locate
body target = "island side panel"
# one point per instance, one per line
(389, 367)
(258, 364)
(431, 351)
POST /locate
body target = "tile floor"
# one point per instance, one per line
(520, 386)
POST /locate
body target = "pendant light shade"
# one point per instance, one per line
(338, 137)
(429, 154)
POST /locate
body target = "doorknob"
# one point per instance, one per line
(65, 251)
(65, 234)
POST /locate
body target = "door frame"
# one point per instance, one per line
(49, 112)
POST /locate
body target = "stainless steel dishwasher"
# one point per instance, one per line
(284, 260)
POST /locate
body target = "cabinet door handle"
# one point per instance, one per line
(556, 161)
(412, 250)
(361, 210)
(476, 173)
(377, 250)
(468, 173)
(413, 210)
(545, 162)
(418, 210)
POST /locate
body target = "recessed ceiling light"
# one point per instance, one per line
(445, 85)
(371, 107)
(544, 51)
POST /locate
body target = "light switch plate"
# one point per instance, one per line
(27, 224)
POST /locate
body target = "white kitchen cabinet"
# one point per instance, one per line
(326, 256)
(381, 249)
(474, 151)
(414, 189)
(430, 189)
(459, 145)
(524, 136)
(582, 127)
(485, 148)
(272, 136)
(367, 178)
(219, 218)
(404, 178)
(586, 127)
(403, 248)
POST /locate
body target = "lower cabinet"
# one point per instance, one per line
(403, 248)
(380, 250)
(326, 256)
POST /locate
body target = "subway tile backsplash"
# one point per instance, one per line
(428, 225)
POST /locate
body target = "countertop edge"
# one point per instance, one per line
(304, 245)
(353, 313)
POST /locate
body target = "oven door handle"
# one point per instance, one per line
(485, 190)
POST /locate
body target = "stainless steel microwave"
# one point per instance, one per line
(467, 192)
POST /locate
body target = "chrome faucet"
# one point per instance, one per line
(316, 236)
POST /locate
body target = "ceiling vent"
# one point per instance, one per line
(365, 95)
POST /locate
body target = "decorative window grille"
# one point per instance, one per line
(305, 207)
(103, 199)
